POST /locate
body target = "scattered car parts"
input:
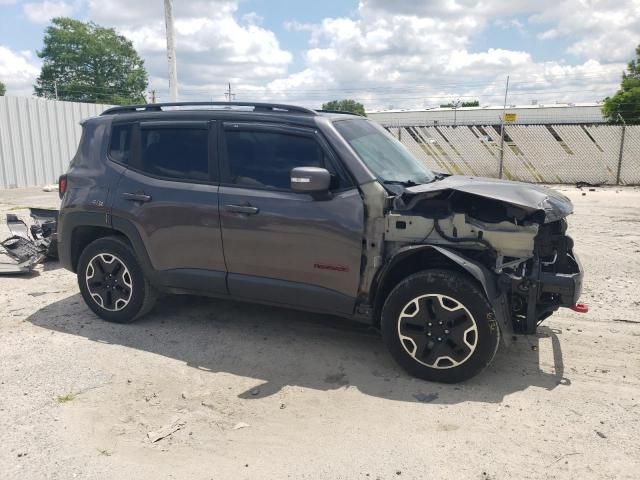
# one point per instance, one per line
(29, 245)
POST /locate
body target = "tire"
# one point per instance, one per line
(439, 326)
(124, 296)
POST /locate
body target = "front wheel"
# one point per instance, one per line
(112, 282)
(439, 326)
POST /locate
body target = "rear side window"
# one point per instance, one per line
(175, 153)
(120, 144)
(265, 159)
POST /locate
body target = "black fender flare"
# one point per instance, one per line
(129, 230)
(69, 221)
(486, 278)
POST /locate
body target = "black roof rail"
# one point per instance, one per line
(257, 107)
(340, 111)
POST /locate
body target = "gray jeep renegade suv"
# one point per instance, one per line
(319, 211)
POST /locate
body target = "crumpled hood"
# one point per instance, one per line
(528, 196)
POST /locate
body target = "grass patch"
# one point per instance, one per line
(65, 398)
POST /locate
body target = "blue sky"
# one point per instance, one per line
(403, 54)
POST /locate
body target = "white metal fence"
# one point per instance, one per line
(38, 138)
(598, 154)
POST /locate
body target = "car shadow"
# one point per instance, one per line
(289, 348)
(51, 264)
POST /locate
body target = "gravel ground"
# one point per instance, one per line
(256, 392)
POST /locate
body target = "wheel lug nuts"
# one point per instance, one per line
(439, 339)
(429, 324)
(428, 334)
(446, 332)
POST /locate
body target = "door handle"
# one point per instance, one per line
(136, 197)
(246, 209)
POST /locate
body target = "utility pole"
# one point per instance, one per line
(55, 89)
(153, 96)
(504, 109)
(171, 50)
(230, 96)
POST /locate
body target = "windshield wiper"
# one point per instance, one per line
(404, 183)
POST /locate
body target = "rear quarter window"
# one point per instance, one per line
(120, 143)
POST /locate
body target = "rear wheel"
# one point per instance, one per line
(439, 326)
(112, 282)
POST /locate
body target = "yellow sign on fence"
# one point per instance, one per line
(510, 117)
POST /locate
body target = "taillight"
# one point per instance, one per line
(62, 185)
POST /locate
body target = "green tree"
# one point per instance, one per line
(472, 103)
(84, 62)
(626, 101)
(345, 105)
(3, 89)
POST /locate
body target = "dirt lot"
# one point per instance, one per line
(259, 392)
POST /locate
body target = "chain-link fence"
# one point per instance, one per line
(559, 153)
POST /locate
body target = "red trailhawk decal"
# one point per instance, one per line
(328, 266)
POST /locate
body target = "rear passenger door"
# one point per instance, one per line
(282, 246)
(170, 194)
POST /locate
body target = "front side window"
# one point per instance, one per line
(385, 156)
(265, 159)
(120, 144)
(175, 153)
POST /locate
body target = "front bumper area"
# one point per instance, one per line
(544, 290)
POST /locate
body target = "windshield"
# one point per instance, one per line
(385, 156)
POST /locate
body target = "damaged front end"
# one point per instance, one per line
(514, 232)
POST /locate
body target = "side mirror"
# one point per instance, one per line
(310, 180)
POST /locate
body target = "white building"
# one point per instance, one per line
(491, 115)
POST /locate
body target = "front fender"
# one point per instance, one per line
(482, 274)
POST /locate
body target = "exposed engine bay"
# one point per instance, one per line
(515, 231)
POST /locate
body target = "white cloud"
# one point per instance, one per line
(606, 30)
(406, 53)
(18, 71)
(252, 18)
(402, 53)
(42, 12)
(213, 45)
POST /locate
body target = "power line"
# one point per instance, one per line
(229, 95)
(400, 86)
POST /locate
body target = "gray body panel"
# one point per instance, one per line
(531, 197)
(293, 238)
(179, 226)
